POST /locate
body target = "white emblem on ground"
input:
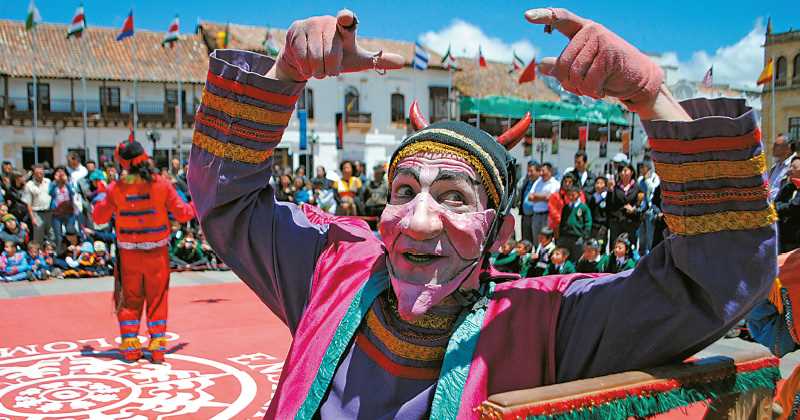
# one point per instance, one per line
(75, 386)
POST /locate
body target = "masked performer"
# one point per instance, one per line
(773, 323)
(416, 324)
(139, 203)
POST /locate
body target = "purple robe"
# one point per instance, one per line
(680, 298)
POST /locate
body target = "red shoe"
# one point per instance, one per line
(158, 348)
(130, 349)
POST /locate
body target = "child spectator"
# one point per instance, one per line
(541, 255)
(598, 206)
(557, 201)
(576, 223)
(560, 263)
(36, 261)
(82, 265)
(302, 194)
(524, 248)
(49, 255)
(103, 263)
(592, 260)
(188, 255)
(14, 265)
(213, 259)
(507, 259)
(324, 196)
(623, 256)
(13, 231)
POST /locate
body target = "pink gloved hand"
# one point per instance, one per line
(324, 46)
(597, 62)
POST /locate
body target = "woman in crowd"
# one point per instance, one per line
(349, 185)
(13, 198)
(284, 192)
(624, 216)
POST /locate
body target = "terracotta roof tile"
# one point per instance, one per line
(251, 38)
(495, 80)
(59, 57)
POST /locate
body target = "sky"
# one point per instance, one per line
(692, 34)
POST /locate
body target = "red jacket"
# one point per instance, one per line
(141, 212)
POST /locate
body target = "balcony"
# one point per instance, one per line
(358, 120)
(150, 112)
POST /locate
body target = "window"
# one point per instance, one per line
(105, 154)
(80, 152)
(438, 103)
(794, 127)
(109, 99)
(44, 96)
(398, 108)
(780, 69)
(307, 101)
(351, 100)
(171, 100)
(796, 71)
(45, 155)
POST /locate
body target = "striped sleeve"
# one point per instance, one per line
(712, 179)
(270, 245)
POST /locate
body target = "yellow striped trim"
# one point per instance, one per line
(722, 221)
(432, 146)
(229, 151)
(245, 111)
(698, 171)
(402, 348)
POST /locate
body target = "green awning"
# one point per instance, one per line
(510, 107)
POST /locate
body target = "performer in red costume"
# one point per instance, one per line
(139, 203)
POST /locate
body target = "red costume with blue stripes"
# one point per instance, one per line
(140, 211)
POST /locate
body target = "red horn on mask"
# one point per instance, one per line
(513, 135)
(417, 120)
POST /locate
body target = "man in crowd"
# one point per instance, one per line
(37, 196)
(376, 192)
(539, 196)
(783, 150)
(524, 206)
(583, 178)
(75, 169)
(787, 203)
(62, 204)
(414, 325)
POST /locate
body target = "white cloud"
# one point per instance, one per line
(465, 37)
(738, 64)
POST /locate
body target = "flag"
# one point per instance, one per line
(78, 23)
(171, 37)
(269, 44)
(481, 59)
(529, 74)
(421, 57)
(766, 74)
(130, 131)
(223, 37)
(127, 27)
(33, 18)
(516, 64)
(708, 79)
(448, 61)
(302, 117)
(769, 25)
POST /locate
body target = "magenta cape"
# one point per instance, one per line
(506, 342)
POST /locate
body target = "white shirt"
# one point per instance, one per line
(77, 174)
(37, 195)
(776, 175)
(544, 187)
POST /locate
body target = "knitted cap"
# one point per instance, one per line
(99, 246)
(87, 247)
(130, 153)
(490, 159)
(8, 217)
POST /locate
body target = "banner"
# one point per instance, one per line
(603, 142)
(583, 137)
(626, 142)
(339, 131)
(556, 133)
(302, 116)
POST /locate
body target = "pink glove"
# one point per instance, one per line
(326, 46)
(597, 62)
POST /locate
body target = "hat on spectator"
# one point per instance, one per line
(87, 247)
(8, 217)
(99, 246)
(97, 175)
(620, 158)
(130, 153)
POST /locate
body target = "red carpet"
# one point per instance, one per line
(58, 358)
